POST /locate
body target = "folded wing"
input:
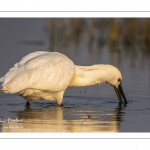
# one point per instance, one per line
(49, 71)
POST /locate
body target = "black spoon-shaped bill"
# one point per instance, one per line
(120, 93)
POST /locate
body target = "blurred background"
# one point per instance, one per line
(122, 42)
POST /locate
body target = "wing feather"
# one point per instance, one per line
(16, 69)
(49, 71)
(29, 57)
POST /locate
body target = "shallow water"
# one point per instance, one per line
(86, 109)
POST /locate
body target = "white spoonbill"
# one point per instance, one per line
(46, 75)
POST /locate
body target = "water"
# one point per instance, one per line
(86, 109)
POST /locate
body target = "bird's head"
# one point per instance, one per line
(114, 78)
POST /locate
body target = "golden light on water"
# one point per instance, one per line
(52, 120)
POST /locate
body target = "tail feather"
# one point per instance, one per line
(3, 91)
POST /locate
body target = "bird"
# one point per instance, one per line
(43, 75)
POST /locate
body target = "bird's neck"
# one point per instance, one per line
(89, 75)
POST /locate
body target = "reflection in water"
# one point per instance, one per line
(118, 111)
(66, 119)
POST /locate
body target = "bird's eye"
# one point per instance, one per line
(119, 80)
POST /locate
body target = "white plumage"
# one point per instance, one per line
(46, 75)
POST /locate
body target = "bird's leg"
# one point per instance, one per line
(27, 103)
(59, 102)
(60, 105)
(59, 98)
